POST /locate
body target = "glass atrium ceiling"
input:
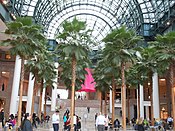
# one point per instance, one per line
(101, 15)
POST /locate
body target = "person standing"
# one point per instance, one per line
(56, 120)
(106, 122)
(26, 124)
(116, 124)
(2, 117)
(88, 109)
(34, 120)
(75, 122)
(100, 122)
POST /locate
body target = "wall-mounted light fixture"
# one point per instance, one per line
(3, 72)
(163, 108)
(162, 79)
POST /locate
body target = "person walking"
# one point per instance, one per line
(100, 122)
(26, 124)
(56, 120)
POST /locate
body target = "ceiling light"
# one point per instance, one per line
(168, 23)
(5, 2)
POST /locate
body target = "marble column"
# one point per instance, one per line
(54, 91)
(30, 93)
(141, 102)
(15, 86)
(110, 101)
(43, 100)
(137, 91)
(156, 108)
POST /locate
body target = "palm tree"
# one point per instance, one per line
(25, 41)
(166, 47)
(41, 67)
(107, 74)
(118, 50)
(150, 64)
(134, 78)
(74, 44)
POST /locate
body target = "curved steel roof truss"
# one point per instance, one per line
(104, 15)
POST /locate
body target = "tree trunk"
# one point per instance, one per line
(123, 97)
(40, 99)
(105, 111)
(45, 101)
(138, 103)
(21, 93)
(101, 103)
(34, 94)
(113, 100)
(172, 92)
(128, 103)
(168, 92)
(73, 89)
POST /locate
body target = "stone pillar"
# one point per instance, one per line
(141, 102)
(30, 93)
(156, 108)
(43, 100)
(54, 91)
(110, 101)
(15, 86)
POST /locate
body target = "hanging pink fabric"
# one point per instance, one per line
(89, 84)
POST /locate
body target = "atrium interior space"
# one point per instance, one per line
(112, 56)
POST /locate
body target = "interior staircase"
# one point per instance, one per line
(88, 119)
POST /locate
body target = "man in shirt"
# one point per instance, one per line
(100, 122)
(56, 120)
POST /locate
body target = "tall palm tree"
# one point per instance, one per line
(166, 47)
(25, 41)
(119, 44)
(134, 78)
(149, 65)
(74, 44)
(106, 75)
(41, 67)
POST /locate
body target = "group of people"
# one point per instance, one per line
(161, 124)
(66, 120)
(27, 121)
(102, 122)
